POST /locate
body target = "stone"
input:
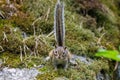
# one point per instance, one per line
(18, 74)
(60, 78)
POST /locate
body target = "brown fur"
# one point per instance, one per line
(60, 56)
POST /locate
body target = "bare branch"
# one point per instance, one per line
(1, 49)
(5, 59)
(1, 14)
(116, 65)
(47, 14)
(36, 20)
(51, 33)
(5, 36)
(33, 24)
(36, 46)
(25, 47)
(99, 39)
(21, 58)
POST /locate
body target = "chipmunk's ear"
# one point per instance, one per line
(55, 46)
(65, 47)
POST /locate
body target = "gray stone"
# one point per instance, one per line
(80, 58)
(18, 74)
(60, 78)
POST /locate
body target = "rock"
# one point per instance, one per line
(60, 78)
(18, 74)
(85, 60)
(102, 75)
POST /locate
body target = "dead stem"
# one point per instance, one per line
(1, 14)
(1, 49)
(21, 57)
(50, 34)
(47, 14)
(99, 39)
(33, 24)
(25, 47)
(5, 36)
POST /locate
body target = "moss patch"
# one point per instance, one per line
(80, 72)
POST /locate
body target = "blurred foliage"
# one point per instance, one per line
(110, 54)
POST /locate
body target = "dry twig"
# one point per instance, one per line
(99, 39)
(33, 24)
(116, 65)
(5, 37)
(1, 49)
(36, 46)
(47, 14)
(50, 34)
(25, 47)
(1, 14)
(21, 58)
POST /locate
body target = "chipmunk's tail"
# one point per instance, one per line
(59, 27)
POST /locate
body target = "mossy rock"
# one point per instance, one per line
(80, 72)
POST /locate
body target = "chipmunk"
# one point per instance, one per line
(60, 55)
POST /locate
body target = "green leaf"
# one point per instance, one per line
(111, 54)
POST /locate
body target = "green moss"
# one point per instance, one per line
(43, 10)
(113, 11)
(14, 39)
(44, 44)
(81, 40)
(14, 61)
(44, 27)
(9, 59)
(80, 72)
(47, 76)
(24, 22)
(82, 33)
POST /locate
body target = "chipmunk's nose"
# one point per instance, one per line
(59, 57)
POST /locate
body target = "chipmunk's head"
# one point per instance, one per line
(60, 52)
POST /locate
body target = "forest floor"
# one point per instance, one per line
(26, 37)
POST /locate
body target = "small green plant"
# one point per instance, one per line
(110, 54)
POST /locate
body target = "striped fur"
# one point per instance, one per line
(59, 27)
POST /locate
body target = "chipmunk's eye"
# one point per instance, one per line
(64, 53)
(55, 53)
